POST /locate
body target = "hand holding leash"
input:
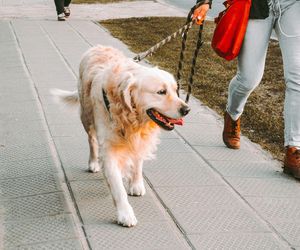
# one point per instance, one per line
(199, 14)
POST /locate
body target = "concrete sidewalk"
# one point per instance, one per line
(200, 195)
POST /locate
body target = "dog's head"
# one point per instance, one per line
(153, 93)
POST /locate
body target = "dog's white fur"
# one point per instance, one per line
(122, 137)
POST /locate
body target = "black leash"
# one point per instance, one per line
(184, 32)
(196, 52)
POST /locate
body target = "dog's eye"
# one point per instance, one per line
(162, 92)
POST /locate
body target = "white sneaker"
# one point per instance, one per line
(61, 17)
(67, 11)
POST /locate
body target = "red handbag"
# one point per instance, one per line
(231, 28)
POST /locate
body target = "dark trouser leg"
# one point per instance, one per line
(59, 4)
(67, 3)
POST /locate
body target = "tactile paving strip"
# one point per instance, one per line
(25, 107)
(181, 177)
(237, 241)
(235, 219)
(67, 130)
(38, 230)
(24, 116)
(61, 245)
(65, 143)
(92, 190)
(196, 129)
(22, 152)
(175, 160)
(103, 211)
(81, 173)
(168, 135)
(30, 185)
(289, 230)
(143, 236)
(205, 139)
(225, 154)
(274, 187)
(283, 209)
(74, 152)
(200, 197)
(34, 206)
(200, 117)
(74, 157)
(247, 169)
(147, 209)
(173, 145)
(15, 85)
(23, 168)
(96, 205)
(60, 118)
(16, 97)
(16, 128)
(26, 139)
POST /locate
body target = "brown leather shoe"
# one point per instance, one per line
(292, 162)
(231, 132)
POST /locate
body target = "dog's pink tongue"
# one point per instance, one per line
(176, 121)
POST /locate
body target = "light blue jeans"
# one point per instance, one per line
(285, 19)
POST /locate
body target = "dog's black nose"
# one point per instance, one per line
(184, 110)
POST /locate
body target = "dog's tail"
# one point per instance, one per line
(70, 98)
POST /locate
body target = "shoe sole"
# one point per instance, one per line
(230, 146)
(287, 171)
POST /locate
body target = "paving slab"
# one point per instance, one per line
(54, 228)
(237, 241)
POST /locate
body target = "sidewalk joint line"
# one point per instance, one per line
(80, 35)
(176, 222)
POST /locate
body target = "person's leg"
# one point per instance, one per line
(288, 31)
(67, 3)
(251, 63)
(59, 4)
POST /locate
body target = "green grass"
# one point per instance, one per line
(262, 120)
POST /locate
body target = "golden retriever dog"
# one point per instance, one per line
(123, 105)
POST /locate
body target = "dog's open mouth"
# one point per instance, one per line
(163, 121)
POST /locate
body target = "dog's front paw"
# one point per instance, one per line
(94, 166)
(126, 217)
(137, 189)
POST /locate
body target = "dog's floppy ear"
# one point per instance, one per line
(126, 86)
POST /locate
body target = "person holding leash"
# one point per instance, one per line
(283, 16)
(62, 9)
